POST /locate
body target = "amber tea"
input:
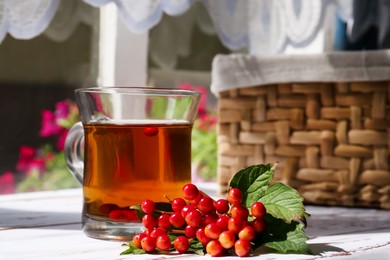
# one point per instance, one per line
(131, 144)
(125, 164)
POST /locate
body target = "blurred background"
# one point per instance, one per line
(48, 48)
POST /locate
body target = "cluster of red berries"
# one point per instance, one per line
(220, 226)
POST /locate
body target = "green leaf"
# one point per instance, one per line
(132, 250)
(283, 202)
(196, 247)
(283, 237)
(253, 181)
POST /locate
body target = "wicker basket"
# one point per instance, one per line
(331, 139)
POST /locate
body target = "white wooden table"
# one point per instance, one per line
(46, 225)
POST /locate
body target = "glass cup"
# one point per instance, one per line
(132, 144)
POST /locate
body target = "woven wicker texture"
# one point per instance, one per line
(331, 140)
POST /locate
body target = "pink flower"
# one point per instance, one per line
(7, 183)
(28, 160)
(62, 109)
(61, 140)
(49, 126)
(26, 155)
(206, 122)
(203, 98)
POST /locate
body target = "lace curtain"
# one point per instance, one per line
(261, 26)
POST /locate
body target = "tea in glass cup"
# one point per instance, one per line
(133, 144)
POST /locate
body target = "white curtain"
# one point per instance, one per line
(261, 26)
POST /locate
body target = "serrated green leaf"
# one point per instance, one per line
(283, 202)
(196, 247)
(132, 250)
(253, 181)
(283, 237)
(294, 242)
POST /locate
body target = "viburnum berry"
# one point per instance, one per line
(234, 196)
(258, 210)
(148, 243)
(190, 191)
(222, 206)
(178, 204)
(149, 221)
(148, 206)
(193, 218)
(195, 201)
(212, 230)
(214, 248)
(150, 131)
(176, 220)
(163, 243)
(201, 236)
(222, 222)
(156, 232)
(239, 211)
(206, 205)
(190, 232)
(186, 209)
(235, 224)
(258, 225)
(163, 221)
(242, 247)
(247, 233)
(209, 218)
(227, 239)
(181, 244)
(137, 240)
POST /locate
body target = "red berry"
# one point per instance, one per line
(163, 243)
(190, 232)
(163, 221)
(149, 221)
(247, 233)
(222, 222)
(181, 244)
(239, 211)
(116, 214)
(178, 204)
(176, 220)
(259, 225)
(148, 206)
(209, 218)
(214, 248)
(206, 204)
(234, 196)
(227, 239)
(156, 232)
(195, 201)
(235, 224)
(222, 206)
(130, 214)
(242, 247)
(148, 244)
(150, 131)
(193, 218)
(137, 240)
(212, 230)
(186, 209)
(201, 236)
(258, 210)
(190, 191)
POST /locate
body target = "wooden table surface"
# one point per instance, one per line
(46, 225)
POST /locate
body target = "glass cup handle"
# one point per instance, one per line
(74, 145)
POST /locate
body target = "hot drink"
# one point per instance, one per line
(126, 164)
